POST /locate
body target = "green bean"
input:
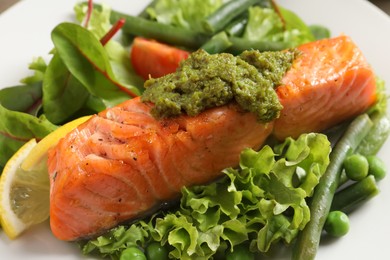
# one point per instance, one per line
(218, 43)
(139, 26)
(343, 178)
(377, 136)
(160, 32)
(240, 44)
(350, 197)
(308, 240)
(237, 27)
(225, 14)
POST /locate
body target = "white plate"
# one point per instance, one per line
(25, 33)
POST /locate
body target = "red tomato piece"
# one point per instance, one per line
(154, 59)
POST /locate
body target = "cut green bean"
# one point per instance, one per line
(240, 44)
(160, 32)
(218, 43)
(218, 20)
(343, 178)
(377, 136)
(352, 196)
(308, 240)
(138, 26)
(236, 28)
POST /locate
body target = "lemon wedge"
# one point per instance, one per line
(24, 183)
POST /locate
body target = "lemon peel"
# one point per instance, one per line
(40, 151)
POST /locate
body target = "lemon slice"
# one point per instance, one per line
(24, 183)
(40, 151)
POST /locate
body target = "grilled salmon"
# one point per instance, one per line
(328, 83)
(123, 162)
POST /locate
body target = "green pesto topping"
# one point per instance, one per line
(204, 81)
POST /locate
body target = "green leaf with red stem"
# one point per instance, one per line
(23, 98)
(88, 61)
(89, 13)
(63, 95)
(16, 128)
(117, 26)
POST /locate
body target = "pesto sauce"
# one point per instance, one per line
(204, 81)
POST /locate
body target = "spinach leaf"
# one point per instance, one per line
(23, 98)
(87, 60)
(63, 94)
(16, 128)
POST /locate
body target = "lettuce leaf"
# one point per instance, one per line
(265, 24)
(186, 13)
(381, 104)
(260, 203)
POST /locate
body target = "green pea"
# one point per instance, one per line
(356, 167)
(337, 223)
(132, 253)
(240, 252)
(155, 251)
(376, 167)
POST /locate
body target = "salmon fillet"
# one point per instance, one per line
(328, 83)
(123, 163)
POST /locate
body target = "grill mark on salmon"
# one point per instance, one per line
(122, 163)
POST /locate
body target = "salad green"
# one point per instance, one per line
(263, 202)
(79, 61)
(256, 206)
(65, 88)
(186, 14)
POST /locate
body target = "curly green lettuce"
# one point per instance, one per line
(186, 14)
(266, 24)
(261, 202)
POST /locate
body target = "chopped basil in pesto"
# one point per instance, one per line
(204, 81)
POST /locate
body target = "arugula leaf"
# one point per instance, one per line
(260, 203)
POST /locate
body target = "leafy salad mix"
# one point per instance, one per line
(264, 201)
(259, 203)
